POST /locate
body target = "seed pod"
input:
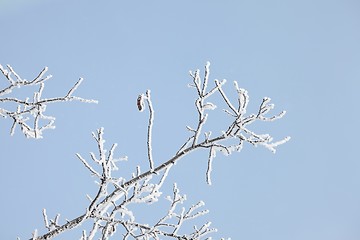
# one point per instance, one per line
(140, 103)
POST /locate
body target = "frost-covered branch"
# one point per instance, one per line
(150, 125)
(111, 212)
(29, 112)
(111, 209)
(141, 106)
(237, 130)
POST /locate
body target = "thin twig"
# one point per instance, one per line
(149, 134)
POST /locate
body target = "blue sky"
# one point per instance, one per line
(305, 55)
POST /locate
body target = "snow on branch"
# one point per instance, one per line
(238, 129)
(29, 113)
(112, 208)
(150, 125)
(141, 106)
(113, 215)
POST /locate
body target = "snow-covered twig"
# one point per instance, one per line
(150, 125)
(27, 110)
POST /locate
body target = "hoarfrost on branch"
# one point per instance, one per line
(29, 113)
(111, 209)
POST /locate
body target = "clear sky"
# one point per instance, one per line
(305, 55)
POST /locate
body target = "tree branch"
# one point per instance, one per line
(34, 109)
(108, 204)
